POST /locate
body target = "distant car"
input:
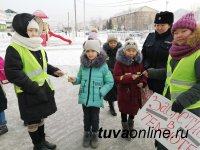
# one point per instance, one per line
(57, 31)
(135, 34)
(9, 34)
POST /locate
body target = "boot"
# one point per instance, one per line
(86, 139)
(49, 145)
(40, 146)
(94, 140)
(3, 129)
(112, 108)
(130, 124)
(126, 127)
(36, 140)
(44, 141)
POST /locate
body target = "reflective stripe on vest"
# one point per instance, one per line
(31, 66)
(36, 72)
(166, 85)
(182, 78)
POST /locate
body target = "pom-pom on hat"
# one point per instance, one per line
(130, 44)
(94, 30)
(92, 36)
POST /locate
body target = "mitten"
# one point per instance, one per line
(177, 107)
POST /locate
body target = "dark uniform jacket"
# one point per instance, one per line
(155, 53)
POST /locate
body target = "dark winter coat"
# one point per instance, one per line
(111, 54)
(36, 102)
(3, 100)
(155, 54)
(129, 95)
(111, 59)
(32, 92)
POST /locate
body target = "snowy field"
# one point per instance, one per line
(60, 53)
(65, 127)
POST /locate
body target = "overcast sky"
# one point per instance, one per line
(57, 10)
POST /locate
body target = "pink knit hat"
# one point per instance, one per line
(187, 21)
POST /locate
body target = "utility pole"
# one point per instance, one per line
(68, 19)
(167, 4)
(131, 19)
(84, 16)
(75, 18)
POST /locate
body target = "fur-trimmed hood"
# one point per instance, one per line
(194, 39)
(121, 57)
(97, 62)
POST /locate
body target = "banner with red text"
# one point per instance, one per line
(173, 130)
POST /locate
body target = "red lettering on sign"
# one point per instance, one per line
(198, 134)
(183, 115)
(195, 128)
(191, 147)
(169, 112)
(163, 108)
(191, 121)
(170, 125)
(174, 139)
(155, 106)
(152, 122)
(148, 114)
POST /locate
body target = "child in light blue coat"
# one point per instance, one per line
(95, 81)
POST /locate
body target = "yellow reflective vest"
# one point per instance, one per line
(31, 66)
(182, 78)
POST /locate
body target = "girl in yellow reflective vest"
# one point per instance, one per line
(26, 67)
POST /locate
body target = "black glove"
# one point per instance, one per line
(177, 107)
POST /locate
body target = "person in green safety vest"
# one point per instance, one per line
(182, 85)
(26, 66)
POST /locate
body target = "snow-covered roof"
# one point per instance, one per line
(10, 11)
(143, 8)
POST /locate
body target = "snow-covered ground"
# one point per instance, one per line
(65, 127)
(60, 53)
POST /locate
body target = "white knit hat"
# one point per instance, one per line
(33, 24)
(112, 37)
(130, 44)
(92, 45)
